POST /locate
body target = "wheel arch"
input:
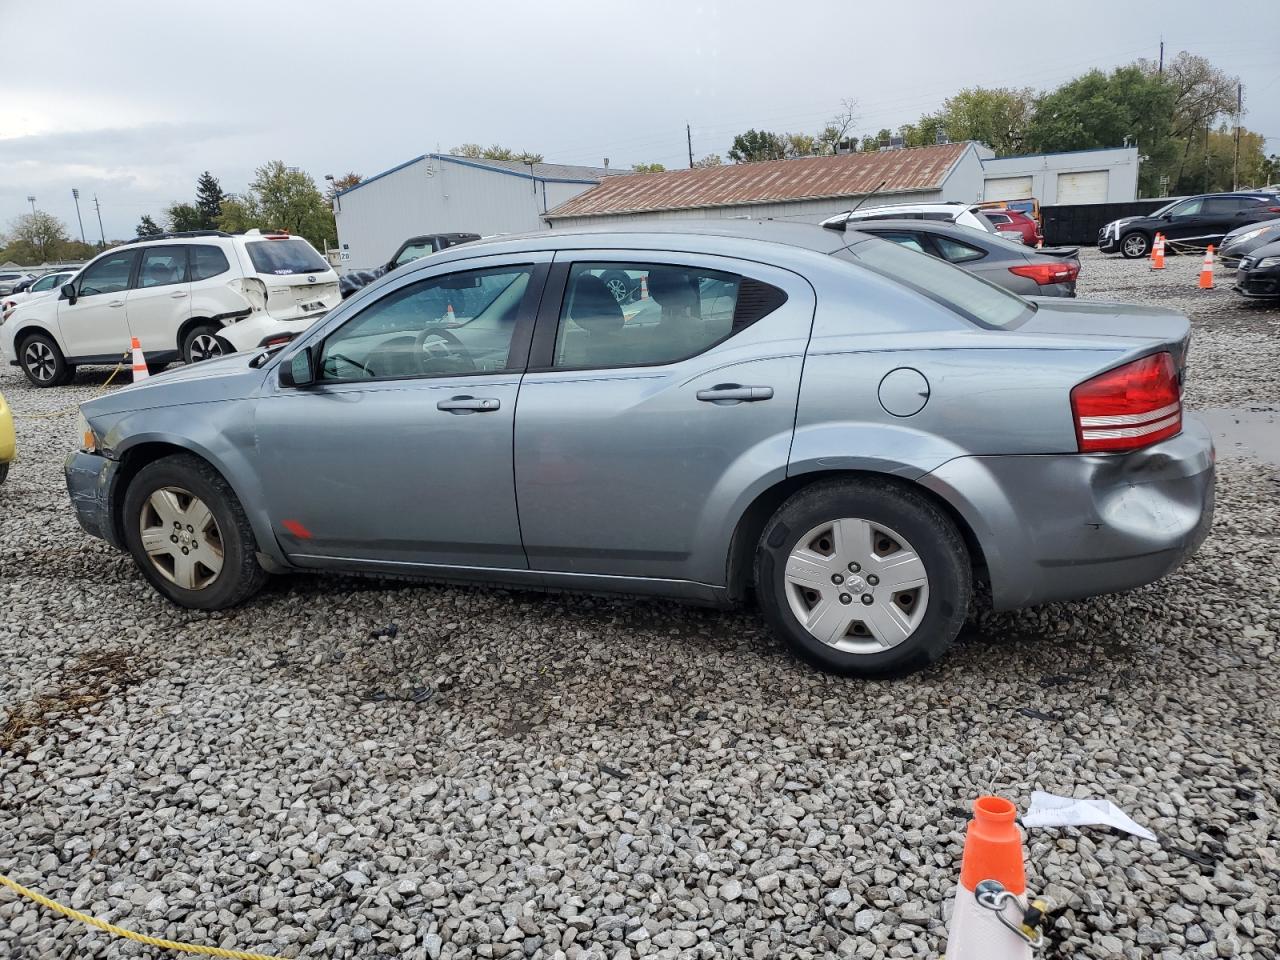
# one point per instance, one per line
(751, 524)
(189, 325)
(31, 328)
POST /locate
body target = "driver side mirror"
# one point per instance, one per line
(69, 292)
(298, 370)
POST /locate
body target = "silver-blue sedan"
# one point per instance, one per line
(849, 430)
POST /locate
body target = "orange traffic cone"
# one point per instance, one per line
(1157, 252)
(644, 287)
(990, 920)
(448, 315)
(1206, 270)
(140, 371)
(1039, 243)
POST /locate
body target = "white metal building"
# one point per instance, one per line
(810, 189)
(440, 193)
(1078, 176)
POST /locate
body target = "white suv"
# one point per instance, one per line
(187, 296)
(952, 211)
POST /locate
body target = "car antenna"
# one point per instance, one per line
(843, 225)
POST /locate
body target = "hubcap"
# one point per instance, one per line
(856, 585)
(181, 538)
(618, 289)
(40, 361)
(205, 347)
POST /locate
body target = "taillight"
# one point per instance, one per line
(1129, 407)
(1043, 273)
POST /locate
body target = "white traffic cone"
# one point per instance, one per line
(990, 918)
(140, 371)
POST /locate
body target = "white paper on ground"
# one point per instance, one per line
(1050, 810)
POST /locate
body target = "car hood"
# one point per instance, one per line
(227, 378)
(1271, 249)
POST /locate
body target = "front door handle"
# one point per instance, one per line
(726, 393)
(116, 303)
(465, 404)
(177, 295)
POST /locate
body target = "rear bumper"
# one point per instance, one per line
(91, 485)
(1066, 526)
(255, 330)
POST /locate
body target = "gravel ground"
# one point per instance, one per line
(522, 775)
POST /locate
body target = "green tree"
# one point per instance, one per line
(209, 198)
(996, 116)
(873, 143)
(239, 213)
(36, 238)
(757, 145)
(800, 145)
(281, 198)
(495, 152)
(147, 227)
(647, 168)
(1214, 170)
(710, 160)
(184, 216)
(1099, 110)
(344, 182)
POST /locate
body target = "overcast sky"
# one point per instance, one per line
(131, 100)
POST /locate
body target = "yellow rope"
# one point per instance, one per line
(129, 934)
(67, 411)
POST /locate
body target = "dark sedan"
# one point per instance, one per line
(1050, 272)
(1258, 275)
(1242, 241)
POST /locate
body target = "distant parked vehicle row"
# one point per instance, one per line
(8, 281)
(1015, 225)
(1258, 275)
(1244, 240)
(188, 296)
(38, 289)
(1192, 221)
(1007, 263)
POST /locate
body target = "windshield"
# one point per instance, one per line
(285, 257)
(1163, 210)
(414, 251)
(977, 300)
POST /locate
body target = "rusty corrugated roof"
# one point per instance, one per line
(767, 181)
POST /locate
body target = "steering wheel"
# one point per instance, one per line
(453, 352)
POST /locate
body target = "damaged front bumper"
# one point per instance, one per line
(1066, 526)
(91, 481)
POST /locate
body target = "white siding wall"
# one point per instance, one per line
(799, 211)
(434, 196)
(1120, 166)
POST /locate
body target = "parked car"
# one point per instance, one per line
(190, 296)
(412, 249)
(47, 286)
(1258, 274)
(1050, 272)
(1193, 221)
(1017, 226)
(863, 433)
(967, 215)
(10, 280)
(7, 439)
(1244, 240)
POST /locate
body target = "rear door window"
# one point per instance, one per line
(285, 257)
(162, 266)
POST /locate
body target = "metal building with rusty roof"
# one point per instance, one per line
(808, 188)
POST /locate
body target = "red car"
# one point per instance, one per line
(1015, 225)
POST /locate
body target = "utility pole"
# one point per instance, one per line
(689, 136)
(32, 200)
(1162, 54)
(102, 233)
(1206, 156)
(75, 194)
(1235, 163)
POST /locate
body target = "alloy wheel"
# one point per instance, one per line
(1135, 245)
(619, 289)
(856, 585)
(204, 346)
(40, 360)
(181, 538)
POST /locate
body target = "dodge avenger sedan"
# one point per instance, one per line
(849, 430)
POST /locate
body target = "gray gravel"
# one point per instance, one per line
(520, 775)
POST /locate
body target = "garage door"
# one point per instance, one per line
(1088, 187)
(1007, 188)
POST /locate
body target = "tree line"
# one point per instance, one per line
(1178, 114)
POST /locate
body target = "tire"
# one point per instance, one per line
(620, 285)
(203, 343)
(202, 581)
(845, 529)
(1135, 245)
(43, 362)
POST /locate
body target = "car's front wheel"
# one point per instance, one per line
(189, 535)
(1135, 245)
(863, 577)
(43, 363)
(203, 343)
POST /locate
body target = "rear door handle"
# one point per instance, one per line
(116, 303)
(727, 393)
(469, 404)
(178, 295)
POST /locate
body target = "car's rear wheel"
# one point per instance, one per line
(1134, 245)
(189, 535)
(43, 362)
(203, 343)
(863, 577)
